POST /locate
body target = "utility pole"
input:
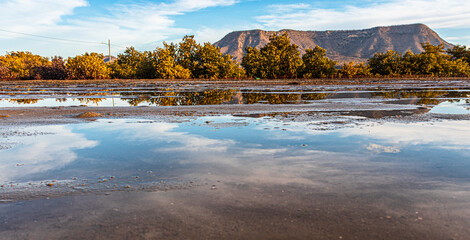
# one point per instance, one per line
(109, 47)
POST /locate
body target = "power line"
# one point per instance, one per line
(61, 39)
(112, 44)
(119, 46)
(54, 38)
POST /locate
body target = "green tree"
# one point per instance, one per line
(281, 58)
(389, 63)
(186, 52)
(126, 64)
(409, 63)
(134, 64)
(229, 68)
(459, 52)
(204, 61)
(3, 72)
(251, 62)
(55, 71)
(458, 68)
(433, 61)
(278, 59)
(87, 66)
(436, 61)
(316, 64)
(210, 63)
(354, 70)
(188, 59)
(22, 65)
(166, 65)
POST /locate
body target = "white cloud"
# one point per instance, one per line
(206, 34)
(283, 8)
(459, 38)
(192, 5)
(435, 13)
(28, 15)
(144, 24)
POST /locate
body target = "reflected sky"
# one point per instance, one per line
(47, 149)
(453, 107)
(262, 150)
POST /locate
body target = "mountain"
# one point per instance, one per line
(107, 59)
(342, 46)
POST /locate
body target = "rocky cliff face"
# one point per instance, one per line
(341, 46)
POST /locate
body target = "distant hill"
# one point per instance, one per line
(107, 59)
(342, 46)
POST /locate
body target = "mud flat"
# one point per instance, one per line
(235, 159)
(40, 102)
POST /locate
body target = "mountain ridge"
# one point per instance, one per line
(341, 45)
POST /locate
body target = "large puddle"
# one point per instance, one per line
(114, 155)
(256, 176)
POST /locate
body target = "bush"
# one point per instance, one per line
(21, 65)
(166, 65)
(87, 66)
(55, 71)
(316, 64)
(4, 72)
(350, 70)
(278, 59)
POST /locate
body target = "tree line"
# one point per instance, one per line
(278, 59)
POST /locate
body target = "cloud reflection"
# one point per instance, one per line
(444, 134)
(40, 153)
(439, 134)
(226, 156)
(275, 156)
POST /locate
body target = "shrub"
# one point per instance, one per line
(55, 71)
(87, 66)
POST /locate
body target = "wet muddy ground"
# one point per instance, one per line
(235, 160)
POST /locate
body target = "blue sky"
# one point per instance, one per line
(146, 24)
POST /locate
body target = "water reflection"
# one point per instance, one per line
(241, 149)
(453, 107)
(426, 97)
(174, 97)
(24, 101)
(41, 150)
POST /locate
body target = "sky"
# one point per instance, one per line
(77, 26)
